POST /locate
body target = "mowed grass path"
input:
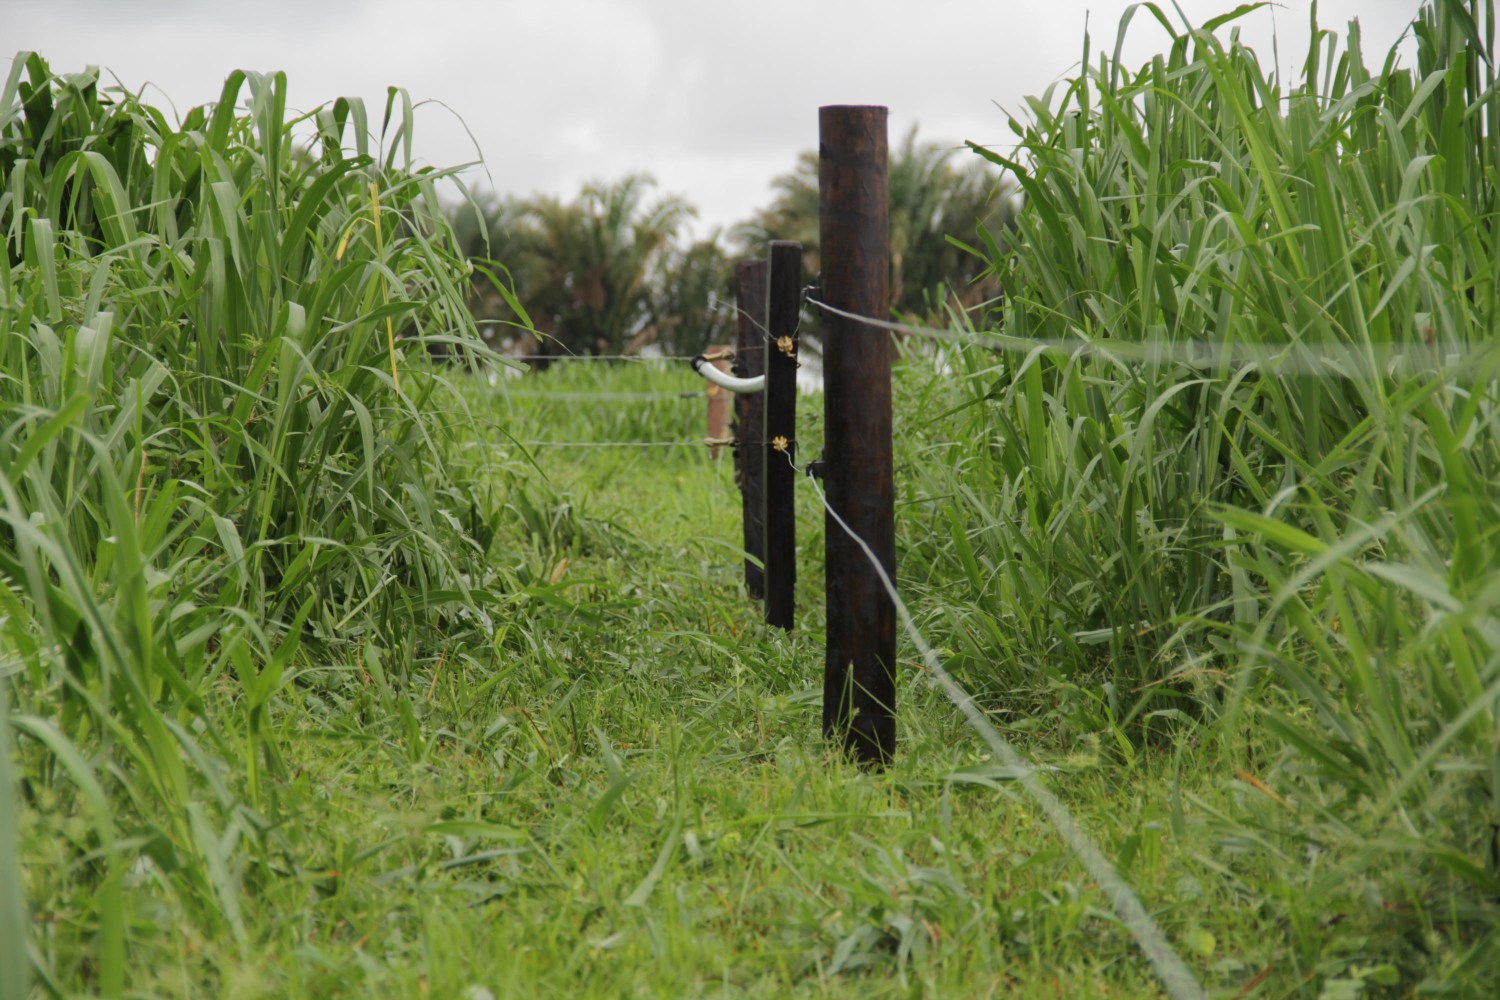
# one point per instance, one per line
(637, 802)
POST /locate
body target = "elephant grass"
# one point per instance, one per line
(221, 476)
(311, 700)
(1265, 519)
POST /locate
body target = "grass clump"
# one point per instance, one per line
(212, 485)
(1235, 471)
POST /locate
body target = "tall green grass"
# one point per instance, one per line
(13, 959)
(223, 479)
(1277, 516)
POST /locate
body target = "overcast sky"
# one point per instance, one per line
(712, 98)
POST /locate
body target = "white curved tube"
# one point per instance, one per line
(739, 386)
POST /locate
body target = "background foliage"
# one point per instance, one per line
(612, 271)
(943, 205)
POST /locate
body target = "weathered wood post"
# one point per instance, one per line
(718, 399)
(784, 305)
(859, 681)
(749, 409)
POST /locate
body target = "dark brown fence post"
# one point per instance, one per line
(784, 305)
(859, 681)
(749, 409)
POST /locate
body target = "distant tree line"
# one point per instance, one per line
(611, 272)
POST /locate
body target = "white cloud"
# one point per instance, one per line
(714, 99)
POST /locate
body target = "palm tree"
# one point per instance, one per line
(931, 199)
(492, 232)
(792, 214)
(589, 270)
(692, 303)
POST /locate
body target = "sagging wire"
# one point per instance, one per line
(1292, 358)
(639, 358)
(1170, 968)
(702, 442)
(723, 308)
(740, 385)
(576, 396)
(733, 310)
(1173, 972)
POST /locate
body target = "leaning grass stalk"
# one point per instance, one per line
(385, 288)
(13, 960)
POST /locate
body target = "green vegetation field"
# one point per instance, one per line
(320, 677)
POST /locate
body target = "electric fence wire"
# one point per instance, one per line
(1292, 358)
(1174, 974)
(723, 308)
(1289, 358)
(715, 304)
(594, 444)
(577, 396)
(638, 358)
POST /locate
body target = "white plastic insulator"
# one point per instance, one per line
(739, 386)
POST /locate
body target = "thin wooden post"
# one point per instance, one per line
(783, 306)
(859, 681)
(718, 399)
(749, 409)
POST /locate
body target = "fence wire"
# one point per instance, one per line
(1174, 974)
(1170, 968)
(638, 358)
(575, 396)
(1293, 357)
(597, 444)
(1289, 358)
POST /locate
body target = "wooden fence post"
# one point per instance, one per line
(859, 681)
(718, 399)
(784, 304)
(749, 409)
